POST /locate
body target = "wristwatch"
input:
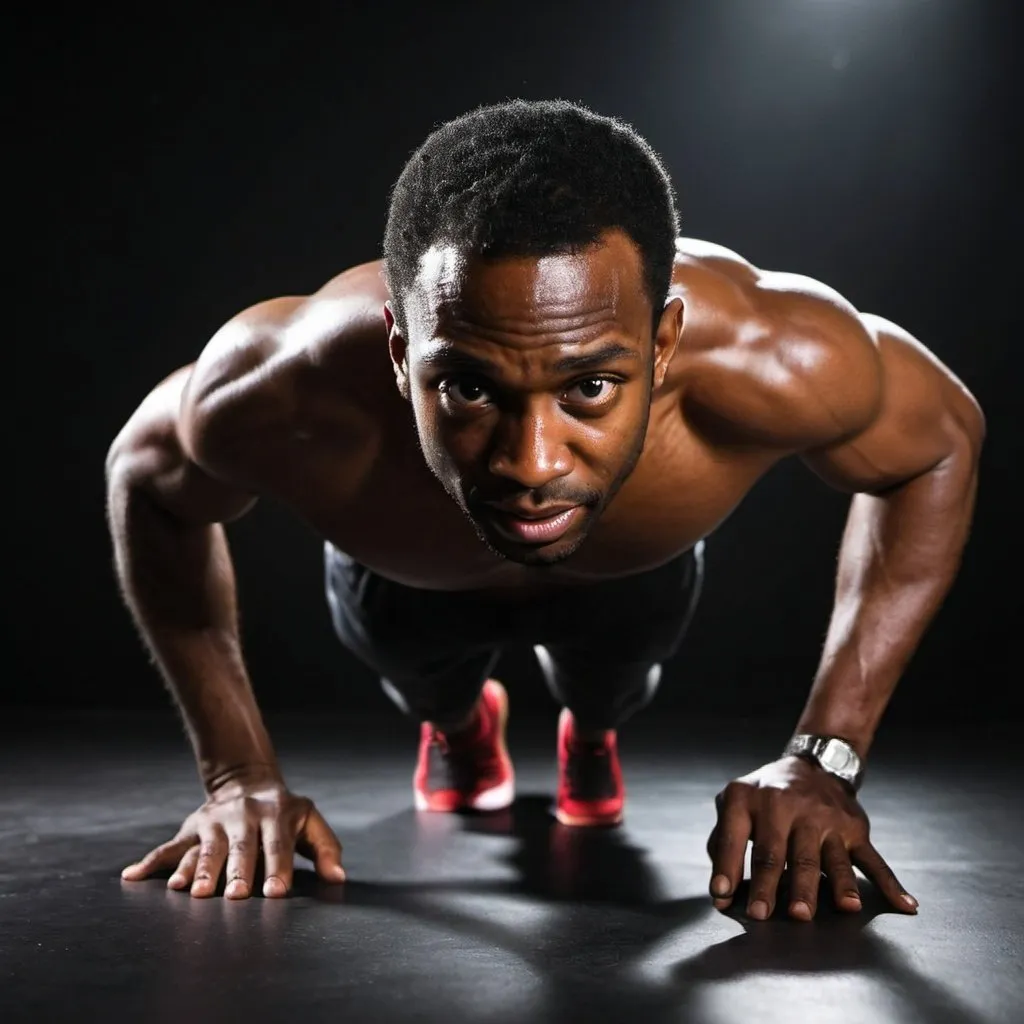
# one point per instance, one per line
(834, 755)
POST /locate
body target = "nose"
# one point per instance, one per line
(529, 450)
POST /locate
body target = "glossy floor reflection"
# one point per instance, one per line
(510, 917)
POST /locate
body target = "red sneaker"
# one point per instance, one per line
(590, 787)
(470, 770)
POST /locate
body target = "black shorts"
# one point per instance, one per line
(406, 632)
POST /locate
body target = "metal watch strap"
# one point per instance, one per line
(832, 753)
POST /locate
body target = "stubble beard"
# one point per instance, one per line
(538, 558)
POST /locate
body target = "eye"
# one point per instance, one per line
(465, 392)
(593, 390)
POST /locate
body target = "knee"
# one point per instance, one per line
(441, 705)
(563, 666)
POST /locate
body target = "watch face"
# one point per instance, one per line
(837, 758)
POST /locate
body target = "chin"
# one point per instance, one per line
(532, 555)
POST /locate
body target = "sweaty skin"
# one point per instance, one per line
(543, 384)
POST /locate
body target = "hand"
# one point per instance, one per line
(795, 811)
(227, 834)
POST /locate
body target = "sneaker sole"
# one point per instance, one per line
(578, 821)
(497, 798)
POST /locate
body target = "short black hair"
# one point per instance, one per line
(530, 178)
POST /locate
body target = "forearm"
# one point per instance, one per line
(178, 582)
(899, 556)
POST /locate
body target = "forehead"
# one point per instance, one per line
(564, 294)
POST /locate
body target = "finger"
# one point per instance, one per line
(213, 851)
(712, 843)
(278, 859)
(243, 848)
(836, 862)
(870, 861)
(186, 869)
(804, 872)
(317, 842)
(730, 849)
(767, 860)
(161, 858)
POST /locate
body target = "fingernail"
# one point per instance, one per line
(236, 887)
(800, 908)
(175, 880)
(910, 901)
(273, 887)
(759, 910)
(720, 885)
(340, 875)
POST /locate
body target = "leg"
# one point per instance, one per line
(600, 694)
(607, 665)
(434, 652)
(429, 662)
(602, 665)
(446, 700)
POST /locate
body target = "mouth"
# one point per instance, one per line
(534, 529)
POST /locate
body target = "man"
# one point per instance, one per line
(574, 399)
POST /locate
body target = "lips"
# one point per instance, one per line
(531, 512)
(534, 529)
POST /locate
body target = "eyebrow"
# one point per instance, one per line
(448, 356)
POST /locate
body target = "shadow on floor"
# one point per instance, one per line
(575, 869)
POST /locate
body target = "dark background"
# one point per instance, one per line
(173, 169)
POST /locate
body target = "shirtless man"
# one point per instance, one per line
(520, 426)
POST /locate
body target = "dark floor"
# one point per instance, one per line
(503, 919)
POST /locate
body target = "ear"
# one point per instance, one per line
(666, 338)
(399, 351)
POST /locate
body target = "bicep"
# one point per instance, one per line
(151, 454)
(925, 415)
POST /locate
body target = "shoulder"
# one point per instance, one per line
(776, 358)
(291, 329)
(271, 367)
